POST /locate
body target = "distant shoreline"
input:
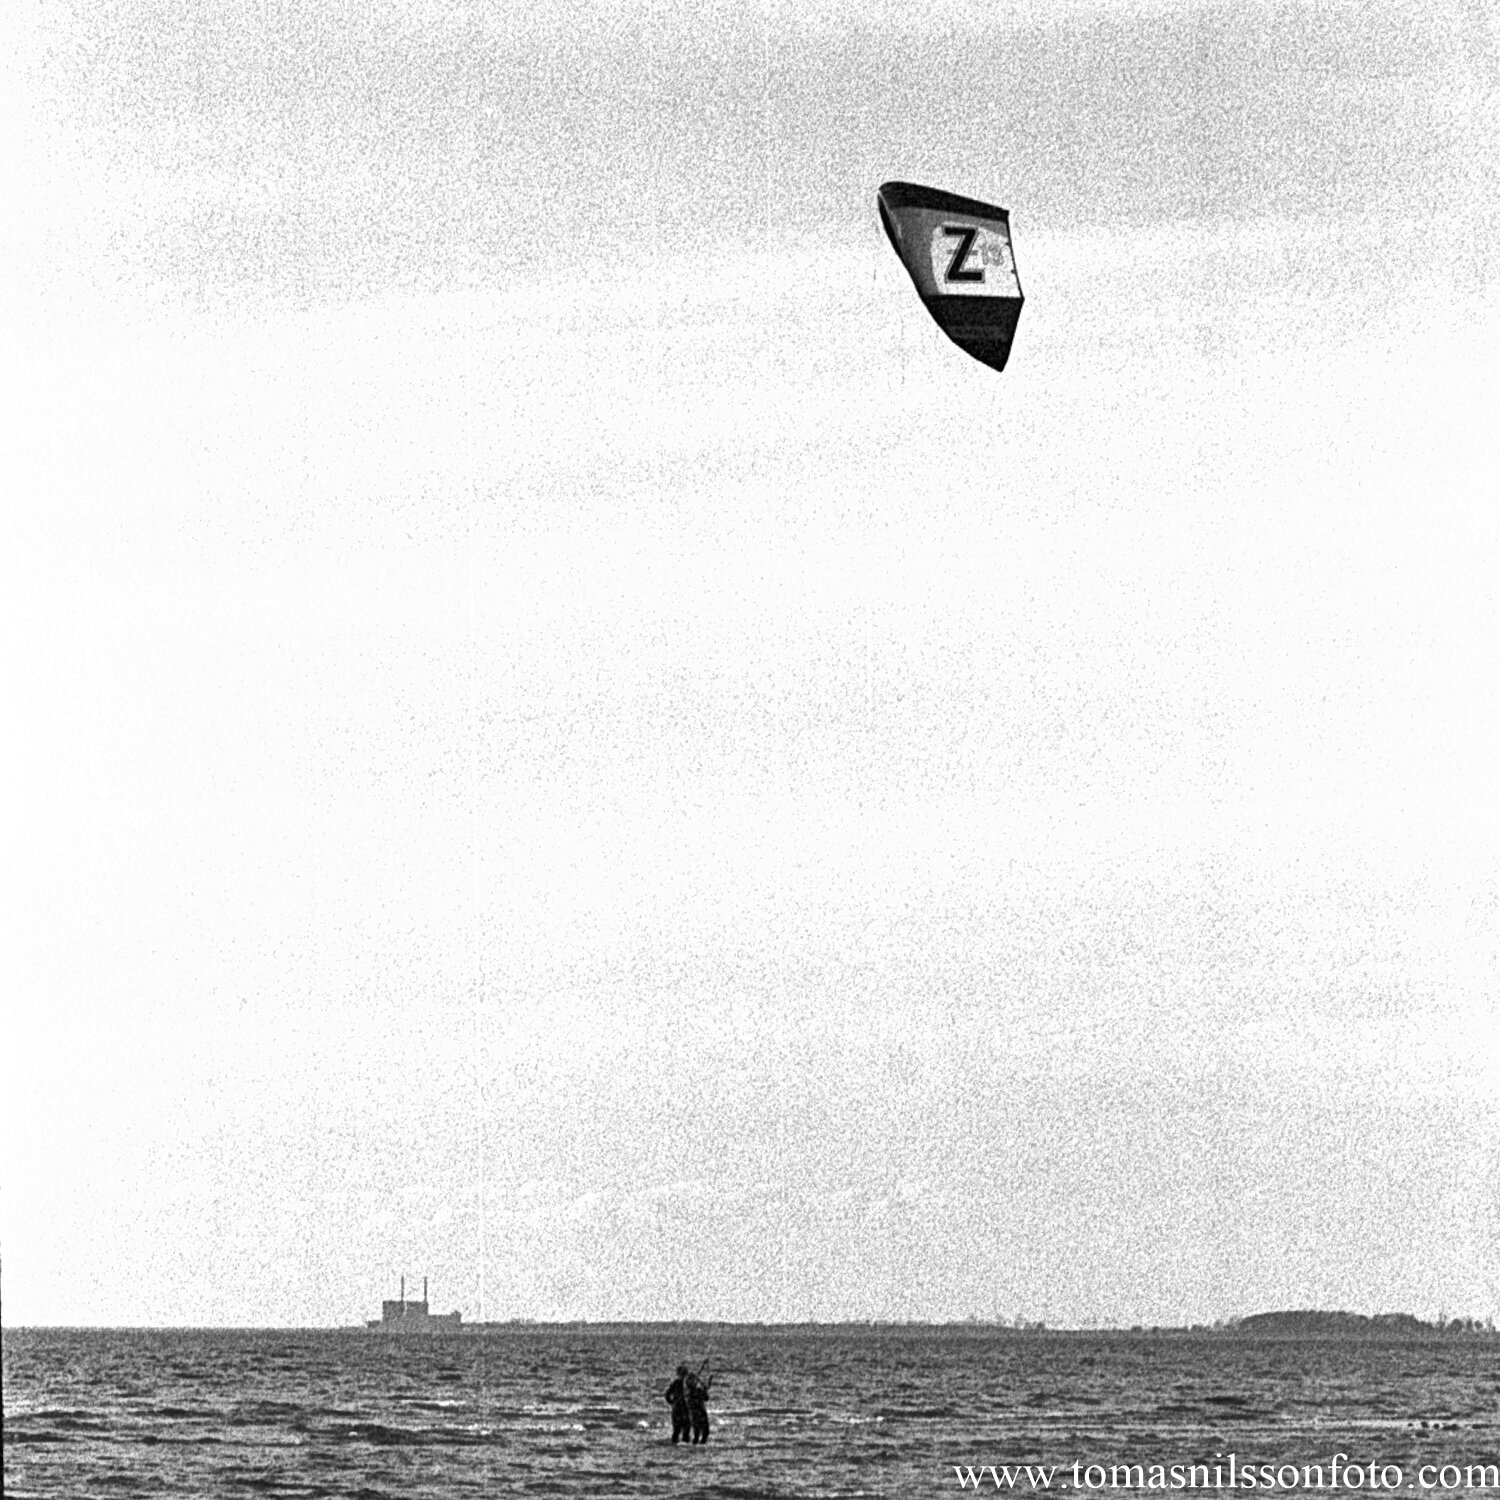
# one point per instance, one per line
(1274, 1325)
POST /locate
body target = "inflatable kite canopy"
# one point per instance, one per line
(958, 252)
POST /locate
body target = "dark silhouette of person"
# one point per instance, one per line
(697, 1403)
(677, 1399)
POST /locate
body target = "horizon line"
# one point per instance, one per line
(1465, 1323)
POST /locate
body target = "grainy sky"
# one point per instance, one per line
(564, 739)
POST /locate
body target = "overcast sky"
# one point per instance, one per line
(564, 739)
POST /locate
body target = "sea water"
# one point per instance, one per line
(880, 1411)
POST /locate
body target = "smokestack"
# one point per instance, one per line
(424, 1291)
(403, 1294)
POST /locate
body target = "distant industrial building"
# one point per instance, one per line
(402, 1316)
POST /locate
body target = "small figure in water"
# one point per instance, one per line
(697, 1400)
(677, 1399)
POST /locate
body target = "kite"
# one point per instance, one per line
(958, 253)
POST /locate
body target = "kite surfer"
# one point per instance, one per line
(677, 1398)
(697, 1399)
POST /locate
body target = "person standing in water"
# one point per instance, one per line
(677, 1399)
(697, 1402)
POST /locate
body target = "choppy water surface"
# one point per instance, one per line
(804, 1412)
